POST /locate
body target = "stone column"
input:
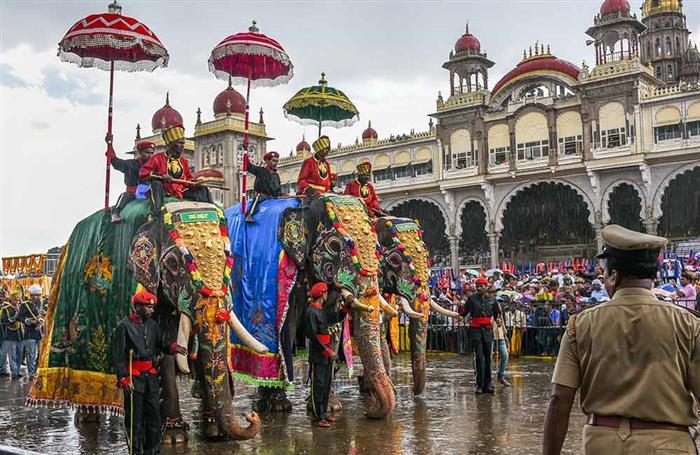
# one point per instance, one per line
(599, 237)
(493, 244)
(454, 254)
(651, 225)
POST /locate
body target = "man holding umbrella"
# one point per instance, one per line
(315, 174)
(267, 181)
(130, 169)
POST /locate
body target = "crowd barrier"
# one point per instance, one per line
(445, 337)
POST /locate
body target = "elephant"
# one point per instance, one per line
(405, 272)
(184, 257)
(328, 238)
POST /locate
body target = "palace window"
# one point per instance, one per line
(423, 169)
(613, 138)
(533, 150)
(571, 145)
(401, 172)
(382, 175)
(693, 128)
(669, 51)
(220, 156)
(499, 155)
(658, 71)
(658, 47)
(667, 132)
(345, 179)
(670, 71)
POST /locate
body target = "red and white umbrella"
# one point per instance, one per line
(111, 41)
(257, 60)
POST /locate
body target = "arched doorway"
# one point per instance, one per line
(473, 243)
(680, 206)
(624, 207)
(433, 223)
(546, 221)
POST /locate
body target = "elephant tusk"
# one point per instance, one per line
(183, 338)
(245, 336)
(388, 309)
(443, 311)
(408, 310)
(354, 302)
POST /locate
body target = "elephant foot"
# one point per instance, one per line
(175, 432)
(83, 417)
(334, 404)
(271, 399)
(210, 429)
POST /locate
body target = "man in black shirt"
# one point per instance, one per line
(481, 307)
(31, 313)
(137, 342)
(13, 331)
(267, 181)
(130, 169)
(324, 326)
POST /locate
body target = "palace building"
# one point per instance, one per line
(532, 167)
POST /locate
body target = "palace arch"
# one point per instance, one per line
(680, 204)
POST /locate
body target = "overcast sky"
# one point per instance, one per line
(386, 56)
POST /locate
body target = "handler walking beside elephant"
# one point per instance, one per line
(324, 326)
(137, 341)
(481, 307)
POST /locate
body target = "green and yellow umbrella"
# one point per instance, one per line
(321, 105)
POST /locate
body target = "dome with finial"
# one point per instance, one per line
(303, 146)
(229, 101)
(369, 133)
(467, 43)
(614, 6)
(166, 116)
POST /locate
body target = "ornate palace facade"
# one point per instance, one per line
(532, 167)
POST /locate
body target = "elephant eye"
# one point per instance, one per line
(172, 263)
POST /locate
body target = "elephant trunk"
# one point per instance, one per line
(367, 335)
(231, 429)
(418, 334)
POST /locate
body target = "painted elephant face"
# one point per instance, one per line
(187, 257)
(334, 240)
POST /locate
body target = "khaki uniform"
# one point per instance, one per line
(634, 357)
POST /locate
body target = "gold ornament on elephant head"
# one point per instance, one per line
(205, 243)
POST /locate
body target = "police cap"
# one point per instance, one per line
(631, 245)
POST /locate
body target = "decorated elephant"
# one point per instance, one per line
(278, 258)
(182, 258)
(405, 272)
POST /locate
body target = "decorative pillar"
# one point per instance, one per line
(493, 244)
(599, 237)
(454, 254)
(651, 225)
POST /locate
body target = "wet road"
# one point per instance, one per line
(448, 418)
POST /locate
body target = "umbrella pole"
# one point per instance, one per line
(244, 183)
(320, 121)
(109, 135)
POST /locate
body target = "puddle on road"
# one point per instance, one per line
(447, 418)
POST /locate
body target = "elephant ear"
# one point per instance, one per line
(295, 236)
(143, 258)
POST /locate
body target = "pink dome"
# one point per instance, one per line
(467, 42)
(614, 6)
(166, 116)
(303, 146)
(232, 97)
(369, 133)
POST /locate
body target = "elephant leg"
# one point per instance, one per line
(271, 399)
(175, 428)
(83, 416)
(386, 354)
(209, 427)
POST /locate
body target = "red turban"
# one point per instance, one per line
(144, 298)
(144, 144)
(318, 289)
(270, 155)
(482, 281)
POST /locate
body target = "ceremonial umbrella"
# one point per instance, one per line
(321, 105)
(111, 41)
(256, 59)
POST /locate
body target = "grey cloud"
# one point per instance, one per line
(8, 78)
(74, 89)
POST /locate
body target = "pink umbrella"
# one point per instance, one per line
(110, 41)
(257, 60)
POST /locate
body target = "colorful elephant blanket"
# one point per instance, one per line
(90, 294)
(262, 279)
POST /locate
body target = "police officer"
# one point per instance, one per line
(481, 307)
(137, 342)
(635, 359)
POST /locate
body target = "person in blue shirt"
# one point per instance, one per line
(598, 294)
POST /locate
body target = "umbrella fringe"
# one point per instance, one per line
(324, 123)
(119, 65)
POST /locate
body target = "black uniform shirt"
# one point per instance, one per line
(323, 329)
(479, 306)
(145, 339)
(10, 321)
(267, 182)
(130, 169)
(31, 310)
